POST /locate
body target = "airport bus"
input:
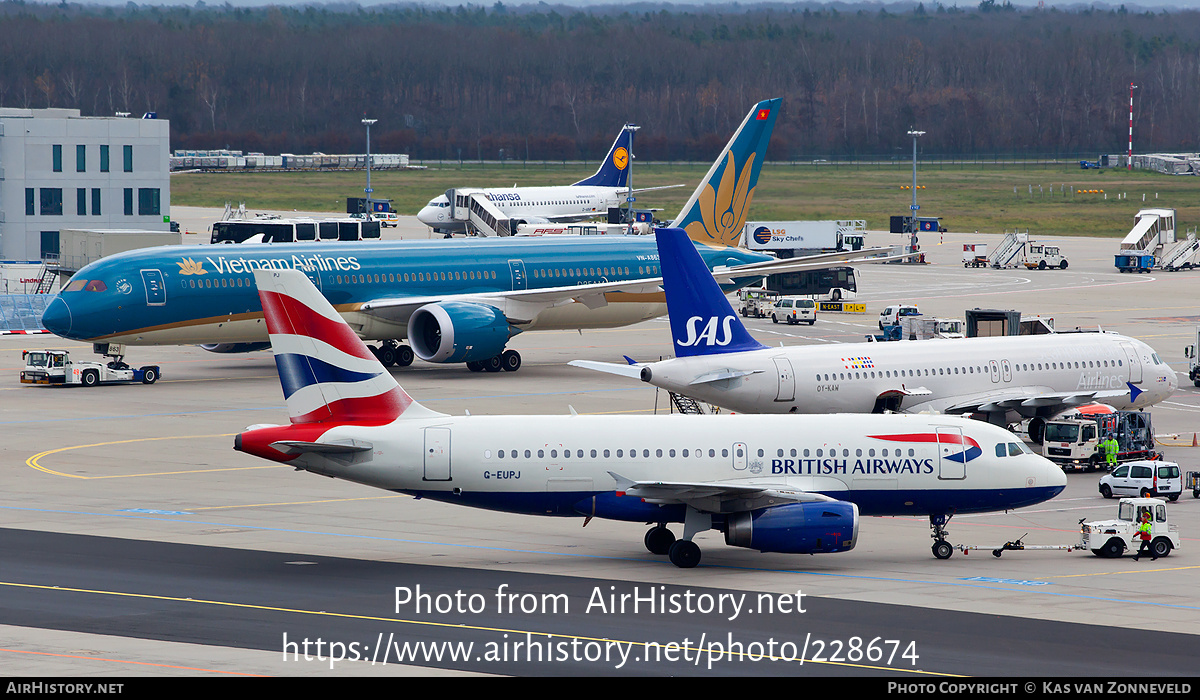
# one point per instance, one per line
(834, 284)
(294, 230)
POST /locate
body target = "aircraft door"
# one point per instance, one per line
(156, 290)
(952, 454)
(437, 454)
(994, 368)
(1006, 370)
(739, 455)
(1135, 363)
(517, 268)
(787, 379)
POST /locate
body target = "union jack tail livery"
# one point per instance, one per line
(328, 374)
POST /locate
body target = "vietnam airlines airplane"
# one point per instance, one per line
(586, 199)
(791, 484)
(1003, 379)
(453, 300)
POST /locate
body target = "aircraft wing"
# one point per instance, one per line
(715, 496)
(523, 305)
(1029, 400)
(634, 371)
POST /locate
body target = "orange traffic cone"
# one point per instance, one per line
(1194, 440)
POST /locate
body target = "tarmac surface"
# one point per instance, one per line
(136, 542)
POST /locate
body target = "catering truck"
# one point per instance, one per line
(789, 238)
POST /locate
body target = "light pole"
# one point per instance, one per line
(912, 210)
(631, 128)
(368, 190)
(1129, 162)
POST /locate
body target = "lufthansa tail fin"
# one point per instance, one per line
(328, 374)
(702, 321)
(614, 170)
(716, 213)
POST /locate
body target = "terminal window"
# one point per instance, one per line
(104, 159)
(80, 159)
(128, 201)
(29, 202)
(148, 201)
(57, 151)
(95, 201)
(127, 151)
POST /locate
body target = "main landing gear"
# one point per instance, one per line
(391, 353)
(941, 548)
(683, 553)
(509, 361)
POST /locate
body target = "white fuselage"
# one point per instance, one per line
(930, 375)
(560, 203)
(564, 465)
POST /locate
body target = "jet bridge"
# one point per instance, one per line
(474, 207)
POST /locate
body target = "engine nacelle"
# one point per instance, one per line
(796, 528)
(235, 347)
(458, 331)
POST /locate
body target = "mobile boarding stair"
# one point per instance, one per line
(1010, 252)
(1184, 255)
(473, 207)
(1153, 229)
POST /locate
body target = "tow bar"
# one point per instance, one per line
(1017, 546)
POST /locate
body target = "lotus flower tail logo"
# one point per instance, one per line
(190, 267)
(723, 211)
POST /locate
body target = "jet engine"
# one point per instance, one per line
(235, 347)
(458, 331)
(796, 528)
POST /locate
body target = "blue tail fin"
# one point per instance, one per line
(702, 321)
(614, 170)
(717, 210)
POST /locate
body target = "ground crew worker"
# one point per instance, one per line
(1110, 452)
(1143, 533)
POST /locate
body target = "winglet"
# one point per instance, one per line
(702, 321)
(629, 359)
(716, 212)
(614, 169)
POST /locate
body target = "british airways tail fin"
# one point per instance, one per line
(327, 373)
(614, 170)
(702, 321)
(716, 213)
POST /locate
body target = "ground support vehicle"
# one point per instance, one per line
(1190, 352)
(1193, 483)
(57, 367)
(894, 313)
(1134, 262)
(756, 303)
(975, 255)
(1144, 477)
(1073, 443)
(1039, 256)
(1110, 538)
(794, 310)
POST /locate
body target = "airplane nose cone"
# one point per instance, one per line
(57, 318)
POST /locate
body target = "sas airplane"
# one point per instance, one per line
(791, 484)
(1004, 379)
(453, 300)
(586, 199)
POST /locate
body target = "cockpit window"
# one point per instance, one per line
(75, 285)
(95, 286)
(1156, 359)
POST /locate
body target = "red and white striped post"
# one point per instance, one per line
(1129, 162)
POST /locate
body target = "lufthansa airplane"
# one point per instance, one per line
(454, 300)
(585, 199)
(1004, 378)
(791, 484)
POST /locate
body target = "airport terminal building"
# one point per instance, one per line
(60, 170)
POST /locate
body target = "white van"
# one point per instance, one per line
(1138, 479)
(386, 218)
(794, 310)
(891, 315)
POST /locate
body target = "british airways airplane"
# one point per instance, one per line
(586, 199)
(790, 484)
(453, 300)
(1004, 379)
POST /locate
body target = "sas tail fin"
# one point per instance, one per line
(327, 373)
(614, 170)
(717, 210)
(702, 321)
